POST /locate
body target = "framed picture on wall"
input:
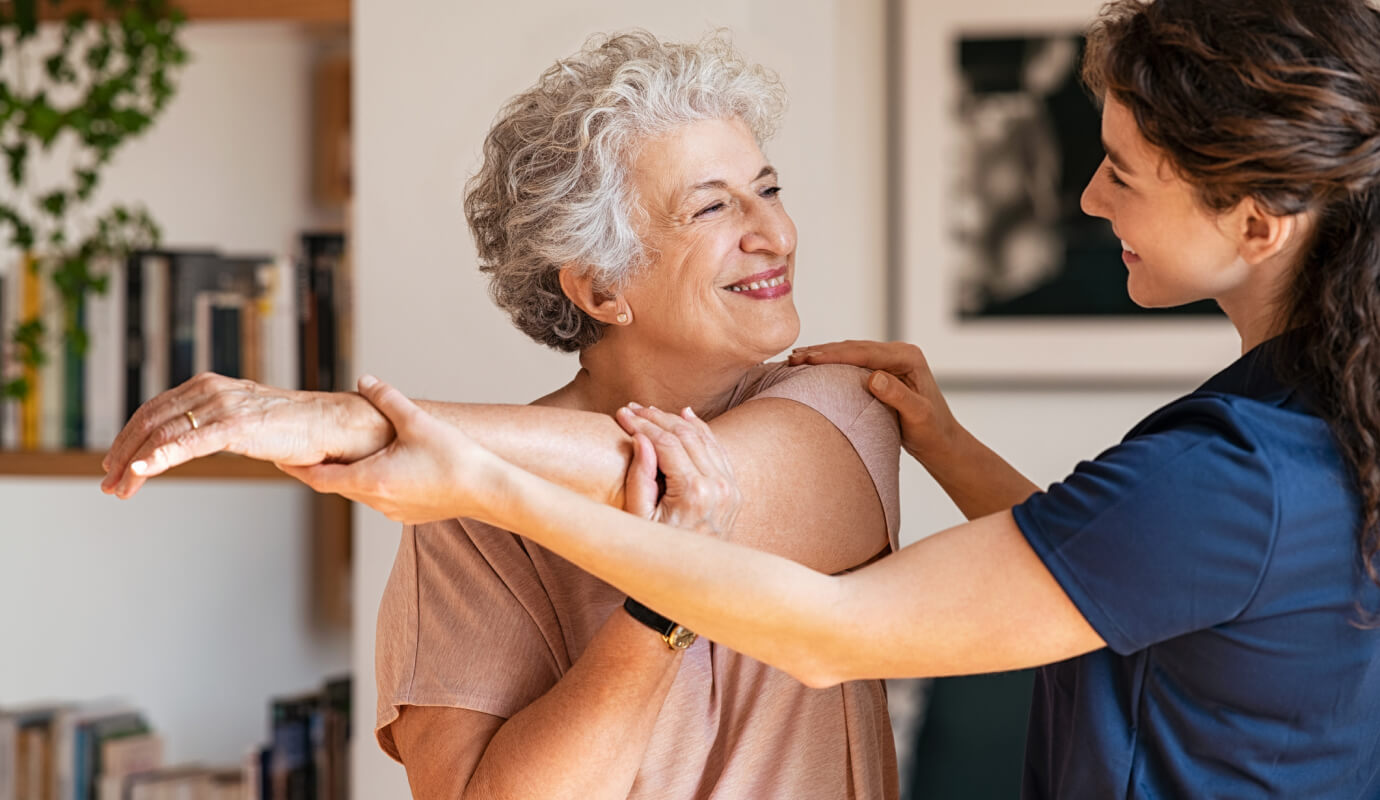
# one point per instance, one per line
(1003, 278)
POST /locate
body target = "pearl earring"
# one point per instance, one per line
(622, 318)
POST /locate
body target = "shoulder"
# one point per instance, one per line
(1187, 506)
(838, 391)
(1198, 446)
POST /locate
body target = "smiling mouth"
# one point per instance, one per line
(769, 279)
(1128, 248)
(755, 285)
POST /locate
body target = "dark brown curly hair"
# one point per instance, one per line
(1278, 100)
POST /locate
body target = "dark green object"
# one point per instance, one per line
(972, 745)
(115, 75)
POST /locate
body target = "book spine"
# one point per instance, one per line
(308, 353)
(134, 345)
(31, 308)
(74, 382)
(155, 320)
(105, 362)
(278, 317)
(9, 744)
(52, 408)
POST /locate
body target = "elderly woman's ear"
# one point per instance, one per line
(578, 285)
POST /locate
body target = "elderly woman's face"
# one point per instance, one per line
(724, 247)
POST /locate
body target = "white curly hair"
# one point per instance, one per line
(554, 188)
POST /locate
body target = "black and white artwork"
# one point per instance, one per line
(1028, 142)
(999, 276)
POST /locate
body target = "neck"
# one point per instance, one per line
(1256, 307)
(615, 371)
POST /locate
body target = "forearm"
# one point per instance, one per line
(979, 481)
(585, 738)
(583, 451)
(762, 605)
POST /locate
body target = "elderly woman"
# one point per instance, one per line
(624, 211)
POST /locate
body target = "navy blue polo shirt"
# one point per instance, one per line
(1215, 551)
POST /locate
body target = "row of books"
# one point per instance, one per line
(168, 315)
(108, 751)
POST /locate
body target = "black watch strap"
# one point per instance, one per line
(648, 617)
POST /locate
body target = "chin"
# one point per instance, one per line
(787, 336)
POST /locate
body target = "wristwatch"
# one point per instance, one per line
(675, 636)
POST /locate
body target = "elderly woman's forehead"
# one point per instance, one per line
(702, 152)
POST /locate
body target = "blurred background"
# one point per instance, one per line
(323, 144)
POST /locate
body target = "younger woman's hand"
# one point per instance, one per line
(902, 379)
(430, 471)
(701, 493)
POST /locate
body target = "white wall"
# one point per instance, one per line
(429, 79)
(192, 599)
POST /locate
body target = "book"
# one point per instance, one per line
(52, 372)
(146, 327)
(30, 309)
(105, 362)
(9, 744)
(217, 341)
(123, 757)
(63, 733)
(9, 413)
(33, 759)
(90, 739)
(292, 771)
(193, 274)
(73, 379)
(323, 261)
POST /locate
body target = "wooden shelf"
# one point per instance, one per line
(81, 464)
(247, 10)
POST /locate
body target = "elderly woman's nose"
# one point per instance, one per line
(771, 230)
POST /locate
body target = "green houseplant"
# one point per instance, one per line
(74, 93)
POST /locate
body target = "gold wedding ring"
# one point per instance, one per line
(192, 419)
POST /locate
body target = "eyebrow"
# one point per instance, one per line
(722, 184)
(1117, 161)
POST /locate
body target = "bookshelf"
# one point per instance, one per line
(230, 574)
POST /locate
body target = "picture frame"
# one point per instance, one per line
(929, 292)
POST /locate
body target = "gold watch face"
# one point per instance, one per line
(680, 638)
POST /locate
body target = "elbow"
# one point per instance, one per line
(817, 678)
(821, 657)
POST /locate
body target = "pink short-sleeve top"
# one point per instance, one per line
(480, 618)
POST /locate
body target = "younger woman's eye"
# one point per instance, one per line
(1115, 178)
(709, 209)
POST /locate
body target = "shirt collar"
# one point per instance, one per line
(1257, 373)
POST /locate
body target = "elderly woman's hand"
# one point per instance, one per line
(211, 414)
(902, 379)
(701, 493)
(429, 471)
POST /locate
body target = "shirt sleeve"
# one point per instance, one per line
(839, 393)
(483, 632)
(1167, 533)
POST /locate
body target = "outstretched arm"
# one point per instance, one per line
(792, 463)
(586, 452)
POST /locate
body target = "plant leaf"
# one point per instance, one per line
(17, 155)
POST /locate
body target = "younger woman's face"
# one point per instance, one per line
(1175, 250)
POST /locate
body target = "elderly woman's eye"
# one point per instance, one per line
(709, 209)
(771, 191)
